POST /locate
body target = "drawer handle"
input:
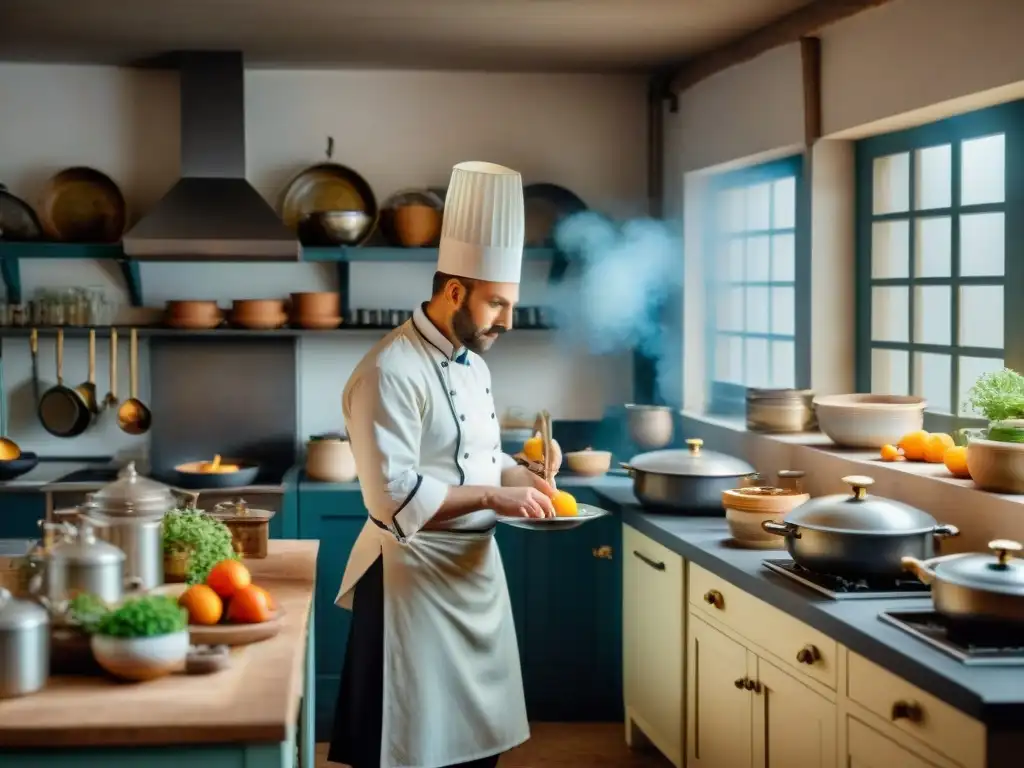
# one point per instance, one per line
(603, 552)
(907, 710)
(715, 598)
(741, 683)
(808, 654)
(655, 564)
(752, 685)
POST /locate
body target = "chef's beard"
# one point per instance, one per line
(470, 335)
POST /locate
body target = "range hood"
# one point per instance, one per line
(212, 212)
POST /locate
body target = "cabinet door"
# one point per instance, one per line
(792, 725)
(513, 543)
(719, 712)
(653, 596)
(867, 748)
(21, 513)
(572, 643)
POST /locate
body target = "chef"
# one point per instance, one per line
(431, 676)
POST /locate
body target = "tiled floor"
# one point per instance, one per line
(567, 745)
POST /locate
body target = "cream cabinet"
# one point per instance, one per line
(867, 748)
(654, 635)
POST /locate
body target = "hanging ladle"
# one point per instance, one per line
(133, 416)
(111, 400)
(87, 389)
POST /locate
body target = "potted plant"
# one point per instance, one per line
(193, 543)
(142, 639)
(995, 456)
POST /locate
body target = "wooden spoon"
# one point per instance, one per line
(87, 389)
(111, 399)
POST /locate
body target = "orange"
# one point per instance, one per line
(564, 504)
(270, 600)
(935, 447)
(249, 606)
(533, 449)
(204, 606)
(955, 459)
(891, 453)
(227, 577)
(913, 445)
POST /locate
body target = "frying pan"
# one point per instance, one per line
(62, 410)
(82, 205)
(188, 475)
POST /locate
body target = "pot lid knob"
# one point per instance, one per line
(695, 445)
(860, 485)
(1003, 549)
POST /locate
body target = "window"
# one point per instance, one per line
(757, 274)
(934, 239)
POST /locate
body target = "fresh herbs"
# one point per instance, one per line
(86, 610)
(147, 616)
(998, 396)
(206, 540)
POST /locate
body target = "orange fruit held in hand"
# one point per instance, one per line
(227, 577)
(935, 447)
(564, 504)
(913, 445)
(955, 459)
(204, 606)
(249, 606)
(533, 449)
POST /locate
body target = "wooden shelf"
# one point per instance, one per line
(74, 331)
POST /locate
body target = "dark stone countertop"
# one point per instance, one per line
(993, 695)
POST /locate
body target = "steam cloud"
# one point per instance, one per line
(611, 299)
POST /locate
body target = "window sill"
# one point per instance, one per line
(980, 515)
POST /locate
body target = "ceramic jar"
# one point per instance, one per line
(329, 459)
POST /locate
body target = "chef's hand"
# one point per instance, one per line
(522, 501)
(537, 467)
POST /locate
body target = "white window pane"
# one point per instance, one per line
(783, 364)
(890, 372)
(970, 369)
(783, 258)
(934, 246)
(783, 311)
(982, 244)
(784, 200)
(981, 316)
(731, 210)
(759, 200)
(890, 313)
(934, 182)
(757, 310)
(932, 376)
(729, 268)
(933, 314)
(757, 363)
(891, 188)
(983, 174)
(758, 255)
(730, 309)
(890, 249)
(727, 367)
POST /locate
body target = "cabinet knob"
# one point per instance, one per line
(752, 685)
(808, 654)
(715, 598)
(603, 552)
(907, 710)
(741, 683)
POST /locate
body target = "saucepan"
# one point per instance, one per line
(858, 535)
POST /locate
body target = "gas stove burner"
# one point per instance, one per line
(992, 645)
(842, 588)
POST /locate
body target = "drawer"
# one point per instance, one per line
(803, 649)
(933, 722)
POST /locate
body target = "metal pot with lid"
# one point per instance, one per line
(858, 534)
(24, 646)
(77, 562)
(133, 495)
(689, 481)
(978, 589)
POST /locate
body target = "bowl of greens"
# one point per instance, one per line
(193, 543)
(142, 639)
(995, 455)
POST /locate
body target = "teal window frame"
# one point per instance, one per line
(1007, 119)
(729, 398)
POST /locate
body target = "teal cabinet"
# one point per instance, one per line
(20, 513)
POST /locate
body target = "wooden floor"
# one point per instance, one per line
(566, 745)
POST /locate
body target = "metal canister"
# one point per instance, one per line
(78, 562)
(24, 646)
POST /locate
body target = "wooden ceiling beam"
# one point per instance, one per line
(801, 23)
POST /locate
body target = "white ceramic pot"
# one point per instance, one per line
(869, 421)
(330, 460)
(650, 426)
(747, 508)
(141, 658)
(589, 463)
(996, 466)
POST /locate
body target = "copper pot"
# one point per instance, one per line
(417, 225)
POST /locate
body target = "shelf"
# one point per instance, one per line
(149, 331)
(408, 255)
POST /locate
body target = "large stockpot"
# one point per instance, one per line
(24, 646)
(686, 481)
(985, 590)
(858, 535)
(75, 564)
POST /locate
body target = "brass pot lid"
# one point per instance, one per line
(1001, 571)
(239, 509)
(691, 462)
(132, 495)
(859, 512)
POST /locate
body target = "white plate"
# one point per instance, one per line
(586, 513)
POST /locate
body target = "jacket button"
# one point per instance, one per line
(493, 460)
(492, 415)
(452, 393)
(488, 390)
(462, 417)
(465, 455)
(444, 363)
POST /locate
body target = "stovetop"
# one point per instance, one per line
(982, 646)
(840, 588)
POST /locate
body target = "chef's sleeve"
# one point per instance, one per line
(386, 423)
(507, 462)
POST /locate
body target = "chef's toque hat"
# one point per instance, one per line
(484, 225)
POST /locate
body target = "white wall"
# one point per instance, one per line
(398, 129)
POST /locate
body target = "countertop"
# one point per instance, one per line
(994, 695)
(255, 700)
